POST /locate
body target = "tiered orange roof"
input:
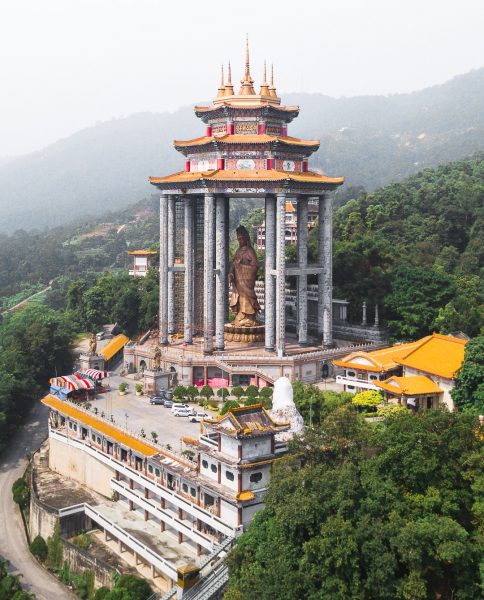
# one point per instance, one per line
(377, 361)
(246, 421)
(245, 139)
(437, 354)
(114, 346)
(260, 175)
(414, 385)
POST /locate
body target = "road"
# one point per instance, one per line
(13, 545)
(24, 302)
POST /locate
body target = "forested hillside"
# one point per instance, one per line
(416, 249)
(371, 140)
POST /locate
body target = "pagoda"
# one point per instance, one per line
(246, 152)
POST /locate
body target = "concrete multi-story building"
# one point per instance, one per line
(169, 509)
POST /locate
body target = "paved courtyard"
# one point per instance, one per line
(136, 413)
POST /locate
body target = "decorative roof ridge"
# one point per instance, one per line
(264, 138)
(265, 102)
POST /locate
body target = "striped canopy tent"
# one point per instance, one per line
(72, 382)
(93, 374)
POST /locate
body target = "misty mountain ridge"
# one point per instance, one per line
(371, 140)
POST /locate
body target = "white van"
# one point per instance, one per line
(183, 412)
(177, 405)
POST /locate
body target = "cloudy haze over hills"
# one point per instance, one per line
(371, 140)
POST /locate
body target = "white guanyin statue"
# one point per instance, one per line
(284, 410)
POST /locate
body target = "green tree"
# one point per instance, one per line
(21, 493)
(223, 393)
(468, 393)
(192, 392)
(238, 392)
(252, 391)
(54, 548)
(227, 405)
(129, 587)
(38, 547)
(367, 399)
(358, 511)
(180, 392)
(206, 392)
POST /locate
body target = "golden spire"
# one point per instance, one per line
(221, 89)
(272, 88)
(264, 88)
(229, 88)
(247, 87)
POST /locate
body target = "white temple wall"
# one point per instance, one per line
(230, 446)
(263, 482)
(228, 513)
(80, 466)
(255, 447)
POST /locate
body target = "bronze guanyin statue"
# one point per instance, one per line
(243, 300)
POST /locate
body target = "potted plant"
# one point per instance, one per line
(122, 388)
(139, 389)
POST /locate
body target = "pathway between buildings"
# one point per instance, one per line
(13, 545)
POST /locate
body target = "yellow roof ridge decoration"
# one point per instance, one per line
(143, 252)
(263, 138)
(114, 346)
(259, 175)
(437, 354)
(413, 385)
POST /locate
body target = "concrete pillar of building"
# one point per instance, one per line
(180, 537)
(364, 320)
(302, 258)
(325, 261)
(147, 515)
(120, 547)
(171, 262)
(162, 526)
(281, 275)
(189, 270)
(163, 317)
(377, 316)
(270, 282)
(221, 271)
(208, 272)
(106, 536)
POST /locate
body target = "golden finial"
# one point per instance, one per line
(247, 88)
(221, 89)
(264, 88)
(229, 88)
(272, 88)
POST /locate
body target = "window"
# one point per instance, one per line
(204, 464)
(93, 437)
(350, 387)
(213, 468)
(429, 402)
(373, 377)
(70, 425)
(229, 475)
(185, 488)
(351, 373)
(150, 469)
(74, 427)
(98, 440)
(157, 472)
(193, 492)
(255, 477)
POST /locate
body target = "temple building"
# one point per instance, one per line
(246, 152)
(143, 261)
(420, 373)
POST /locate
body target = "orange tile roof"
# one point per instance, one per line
(114, 346)
(143, 252)
(245, 139)
(380, 360)
(437, 354)
(112, 432)
(413, 385)
(260, 175)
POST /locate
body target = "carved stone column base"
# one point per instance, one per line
(232, 333)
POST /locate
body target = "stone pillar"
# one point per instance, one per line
(227, 251)
(302, 258)
(270, 260)
(163, 317)
(328, 271)
(377, 316)
(221, 271)
(171, 262)
(208, 275)
(325, 261)
(364, 319)
(189, 270)
(281, 275)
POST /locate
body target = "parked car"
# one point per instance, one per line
(182, 412)
(168, 403)
(157, 400)
(177, 405)
(169, 394)
(196, 417)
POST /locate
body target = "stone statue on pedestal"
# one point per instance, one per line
(157, 359)
(242, 277)
(92, 344)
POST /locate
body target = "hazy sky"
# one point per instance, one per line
(66, 64)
